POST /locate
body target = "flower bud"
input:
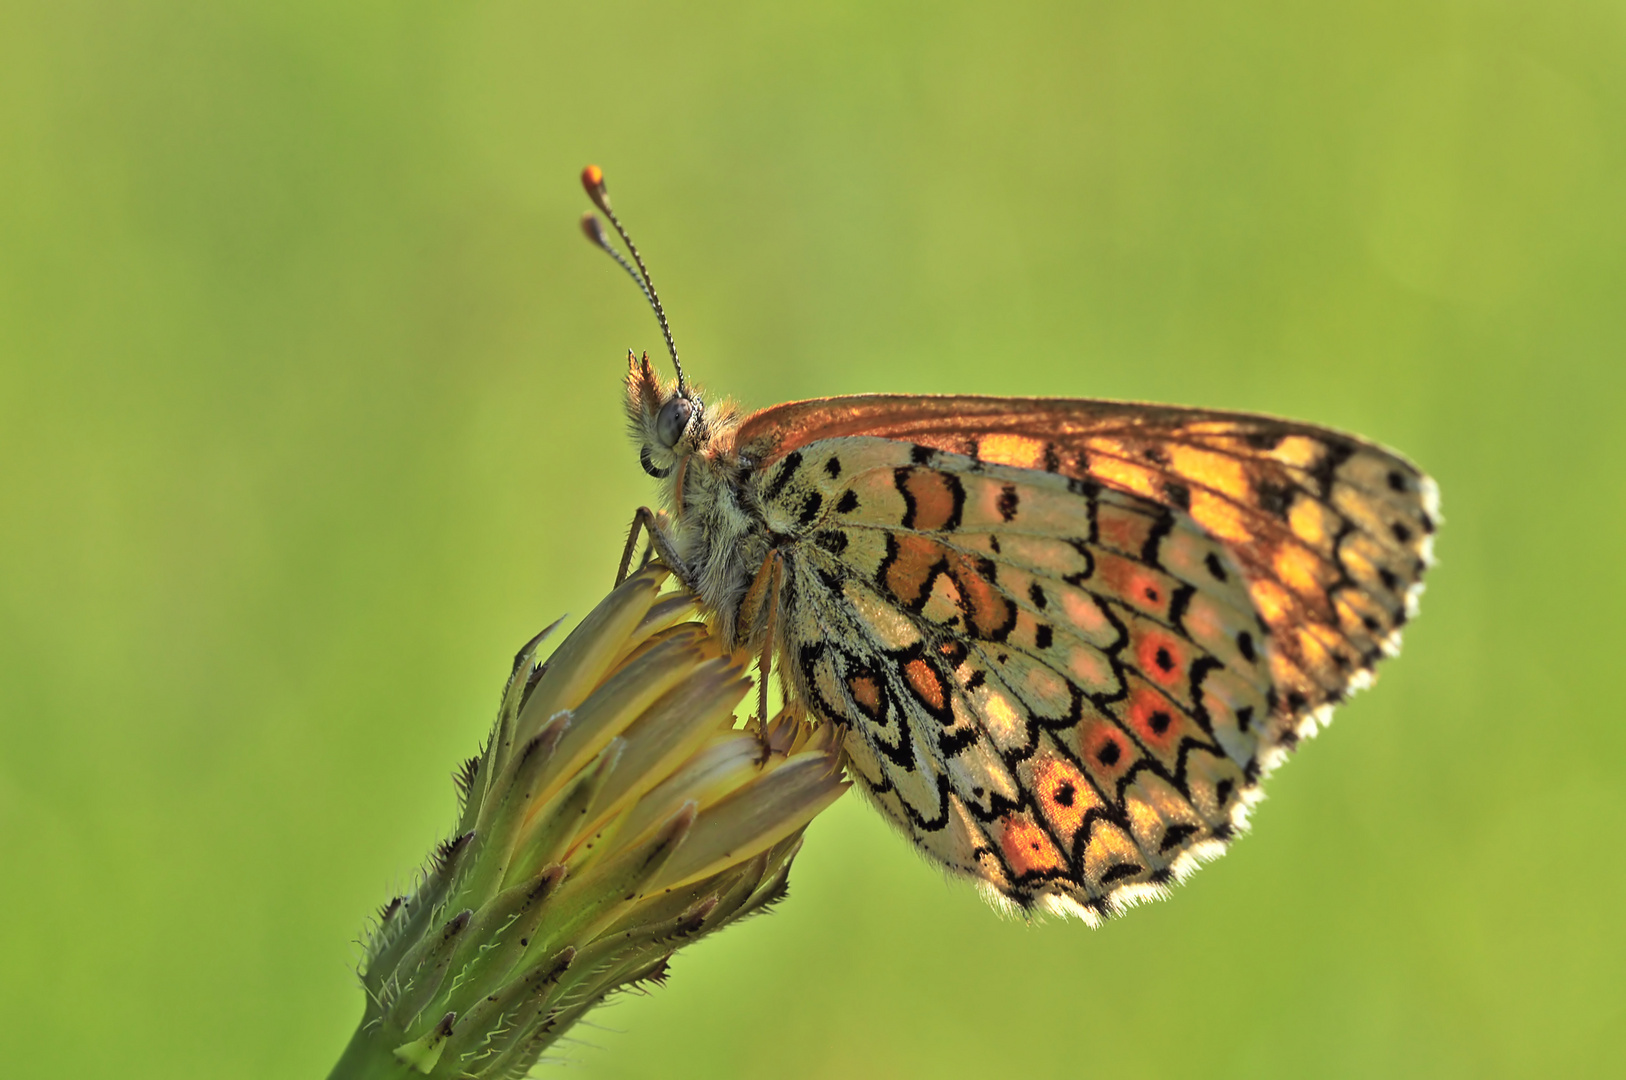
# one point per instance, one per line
(615, 814)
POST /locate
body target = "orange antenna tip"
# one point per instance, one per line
(593, 183)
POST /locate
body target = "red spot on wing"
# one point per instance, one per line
(1122, 529)
(1161, 657)
(1156, 720)
(909, 572)
(1027, 848)
(867, 693)
(1134, 583)
(933, 499)
(990, 614)
(926, 684)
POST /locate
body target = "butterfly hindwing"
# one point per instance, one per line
(1067, 661)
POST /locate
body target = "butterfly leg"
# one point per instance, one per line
(763, 596)
(646, 521)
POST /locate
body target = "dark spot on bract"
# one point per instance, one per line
(1163, 659)
(1159, 722)
(1109, 753)
(1401, 533)
(833, 467)
(1215, 568)
(1064, 793)
(1041, 637)
(848, 502)
(1244, 645)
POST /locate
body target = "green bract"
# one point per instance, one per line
(615, 814)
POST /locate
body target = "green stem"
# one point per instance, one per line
(367, 1058)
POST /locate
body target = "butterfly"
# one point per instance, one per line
(1067, 639)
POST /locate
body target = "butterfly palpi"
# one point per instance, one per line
(1067, 639)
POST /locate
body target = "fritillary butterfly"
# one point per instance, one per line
(1067, 638)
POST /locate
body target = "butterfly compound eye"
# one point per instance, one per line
(673, 421)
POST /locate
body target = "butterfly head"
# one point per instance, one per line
(668, 420)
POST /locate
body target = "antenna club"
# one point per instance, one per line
(593, 229)
(593, 183)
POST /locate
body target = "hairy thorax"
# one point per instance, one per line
(719, 534)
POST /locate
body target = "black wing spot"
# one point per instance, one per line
(1174, 836)
(1215, 568)
(1156, 455)
(832, 468)
(810, 510)
(1109, 753)
(1244, 645)
(921, 455)
(1296, 702)
(1163, 660)
(1121, 870)
(993, 543)
(1264, 440)
(1274, 498)
(1244, 718)
(848, 502)
(1222, 792)
(1008, 502)
(1402, 533)
(1390, 581)
(1151, 594)
(1397, 480)
(1036, 594)
(787, 469)
(1371, 623)
(1159, 722)
(1042, 637)
(1064, 793)
(1179, 495)
(832, 540)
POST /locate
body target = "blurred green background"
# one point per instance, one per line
(309, 416)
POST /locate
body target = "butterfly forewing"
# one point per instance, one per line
(1069, 638)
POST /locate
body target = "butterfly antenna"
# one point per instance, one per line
(593, 181)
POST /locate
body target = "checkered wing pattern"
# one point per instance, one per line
(1070, 638)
